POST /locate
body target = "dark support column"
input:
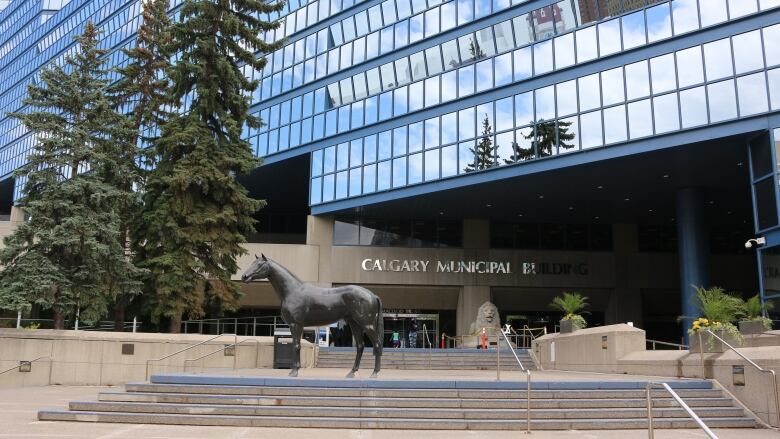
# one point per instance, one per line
(694, 250)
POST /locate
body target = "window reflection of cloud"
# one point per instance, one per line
(589, 92)
(686, 16)
(722, 101)
(693, 107)
(586, 44)
(752, 94)
(747, 51)
(640, 122)
(564, 51)
(637, 80)
(612, 89)
(590, 129)
(774, 88)
(717, 59)
(739, 8)
(690, 68)
(615, 129)
(659, 23)
(662, 72)
(609, 37)
(772, 44)
(666, 113)
(633, 30)
(713, 13)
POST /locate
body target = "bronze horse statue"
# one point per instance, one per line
(306, 305)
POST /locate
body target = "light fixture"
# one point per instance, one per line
(441, 212)
(541, 196)
(519, 214)
(599, 187)
(740, 163)
(595, 217)
(760, 241)
(626, 199)
(666, 175)
(488, 205)
(650, 210)
(571, 207)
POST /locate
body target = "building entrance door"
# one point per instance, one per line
(414, 329)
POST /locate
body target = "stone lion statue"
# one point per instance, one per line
(487, 317)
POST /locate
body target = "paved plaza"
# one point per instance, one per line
(19, 407)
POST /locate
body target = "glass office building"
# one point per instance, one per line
(626, 149)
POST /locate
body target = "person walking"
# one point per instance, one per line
(396, 339)
(413, 334)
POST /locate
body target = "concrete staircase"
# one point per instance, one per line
(458, 359)
(401, 404)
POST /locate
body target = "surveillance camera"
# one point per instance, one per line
(749, 243)
(757, 241)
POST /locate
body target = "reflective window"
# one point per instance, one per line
(564, 51)
(545, 103)
(609, 37)
(722, 101)
(586, 44)
(662, 73)
(751, 90)
(522, 63)
(747, 52)
(637, 80)
(589, 92)
(690, 68)
(773, 77)
(693, 107)
(640, 119)
(432, 164)
(590, 129)
(543, 58)
(503, 69)
(613, 90)
(485, 75)
(524, 109)
(566, 96)
(633, 30)
(739, 8)
(615, 126)
(659, 22)
(384, 176)
(686, 16)
(666, 113)
(715, 12)
(772, 44)
(717, 59)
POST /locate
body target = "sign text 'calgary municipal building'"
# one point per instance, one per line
(478, 267)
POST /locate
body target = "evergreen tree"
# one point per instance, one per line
(484, 149)
(143, 93)
(196, 215)
(474, 49)
(67, 256)
(547, 137)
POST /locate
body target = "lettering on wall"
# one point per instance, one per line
(477, 267)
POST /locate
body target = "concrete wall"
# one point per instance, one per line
(589, 350)
(96, 358)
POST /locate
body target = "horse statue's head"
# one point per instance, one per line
(258, 270)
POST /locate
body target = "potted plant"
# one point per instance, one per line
(719, 310)
(572, 306)
(753, 320)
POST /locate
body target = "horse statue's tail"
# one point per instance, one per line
(380, 323)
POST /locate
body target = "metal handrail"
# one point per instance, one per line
(184, 350)
(222, 349)
(666, 343)
(679, 400)
(528, 378)
(752, 363)
(17, 366)
(430, 346)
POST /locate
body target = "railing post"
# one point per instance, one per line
(650, 434)
(528, 404)
(254, 326)
(701, 355)
(498, 357)
(235, 350)
(19, 319)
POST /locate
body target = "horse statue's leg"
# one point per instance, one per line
(297, 331)
(376, 340)
(357, 334)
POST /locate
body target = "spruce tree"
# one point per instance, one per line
(548, 136)
(143, 93)
(484, 149)
(196, 214)
(67, 256)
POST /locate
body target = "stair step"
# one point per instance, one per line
(405, 412)
(356, 401)
(382, 423)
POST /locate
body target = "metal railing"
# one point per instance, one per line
(653, 344)
(249, 326)
(648, 389)
(185, 350)
(235, 352)
(750, 362)
(527, 374)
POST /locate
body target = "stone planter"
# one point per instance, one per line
(751, 327)
(567, 326)
(712, 345)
